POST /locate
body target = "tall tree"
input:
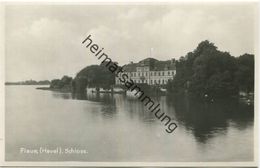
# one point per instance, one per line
(245, 73)
(206, 72)
(94, 76)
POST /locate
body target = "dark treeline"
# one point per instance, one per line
(93, 76)
(204, 73)
(63, 84)
(208, 72)
(29, 82)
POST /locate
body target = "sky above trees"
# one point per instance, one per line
(44, 42)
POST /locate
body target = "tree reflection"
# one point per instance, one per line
(206, 119)
(108, 102)
(105, 98)
(62, 95)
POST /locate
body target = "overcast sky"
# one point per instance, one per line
(44, 42)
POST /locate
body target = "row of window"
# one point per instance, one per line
(152, 82)
(162, 73)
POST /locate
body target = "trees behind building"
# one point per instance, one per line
(212, 73)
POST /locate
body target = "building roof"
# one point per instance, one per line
(130, 67)
(154, 65)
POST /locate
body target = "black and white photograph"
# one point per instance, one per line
(141, 82)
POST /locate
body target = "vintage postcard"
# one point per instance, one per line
(129, 84)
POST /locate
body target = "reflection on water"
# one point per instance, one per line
(61, 95)
(203, 119)
(206, 120)
(118, 128)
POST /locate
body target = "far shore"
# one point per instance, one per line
(25, 84)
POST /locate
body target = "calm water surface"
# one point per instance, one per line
(117, 128)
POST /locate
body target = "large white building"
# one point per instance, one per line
(150, 71)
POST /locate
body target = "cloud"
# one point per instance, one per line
(45, 41)
(45, 49)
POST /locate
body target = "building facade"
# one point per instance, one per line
(150, 71)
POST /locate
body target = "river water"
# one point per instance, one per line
(119, 128)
